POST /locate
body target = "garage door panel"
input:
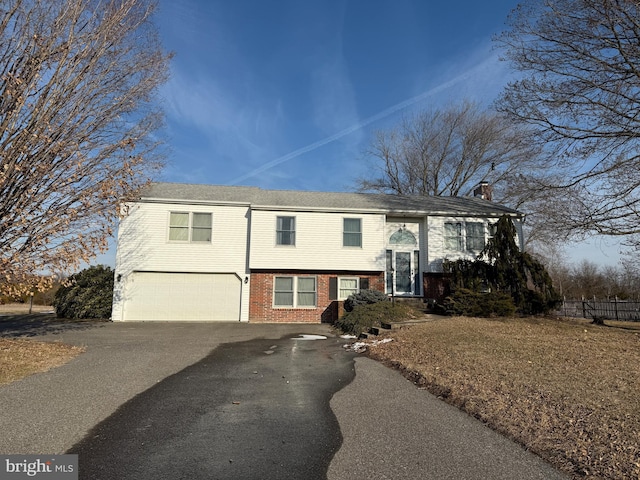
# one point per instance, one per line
(182, 296)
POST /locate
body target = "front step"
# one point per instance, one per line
(392, 326)
(379, 330)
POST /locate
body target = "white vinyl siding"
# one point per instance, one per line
(318, 243)
(144, 245)
(294, 292)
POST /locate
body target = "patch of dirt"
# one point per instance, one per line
(567, 390)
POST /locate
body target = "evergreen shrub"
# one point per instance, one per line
(364, 297)
(362, 317)
(470, 303)
(87, 294)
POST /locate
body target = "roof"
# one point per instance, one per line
(258, 198)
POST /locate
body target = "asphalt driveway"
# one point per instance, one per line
(50, 412)
(150, 395)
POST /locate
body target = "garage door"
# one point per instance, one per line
(182, 296)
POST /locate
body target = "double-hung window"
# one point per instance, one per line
(352, 232)
(347, 286)
(464, 236)
(453, 240)
(190, 227)
(286, 231)
(474, 236)
(294, 292)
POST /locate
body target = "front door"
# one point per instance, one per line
(402, 268)
(404, 277)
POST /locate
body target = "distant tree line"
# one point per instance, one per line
(587, 279)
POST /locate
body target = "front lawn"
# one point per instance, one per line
(20, 358)
(565, 389)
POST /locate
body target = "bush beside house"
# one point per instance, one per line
(87, 294)
(484, 288)
(369, 308)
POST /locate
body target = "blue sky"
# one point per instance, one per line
(286, 94)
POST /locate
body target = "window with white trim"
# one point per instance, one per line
(352, 232)
(464, 236)
(347, 286)
(294, 292)
(453, 240)
(474, 236)
(286, 231)
(190, 227)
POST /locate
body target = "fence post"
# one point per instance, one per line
(584, 309)
(615, 300)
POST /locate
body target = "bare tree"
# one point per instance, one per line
(448, 152)
(77, 79)
(580, 90)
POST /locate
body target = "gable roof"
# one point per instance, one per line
(260, 199)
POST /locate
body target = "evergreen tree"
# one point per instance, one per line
(502, 268)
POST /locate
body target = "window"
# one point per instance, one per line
(347, 286)
(475, 236)
(294, 292)
(189, 227)
(283, 292)
(286, 231)
(179, 227)
(403, 237)
(389, 262)
(306, 292)
(492, 229)
(453, 236)
(352, 232)
(465, 236)
(201, 227)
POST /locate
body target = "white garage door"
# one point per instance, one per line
(182, 296)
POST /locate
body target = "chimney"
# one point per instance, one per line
(483, 190)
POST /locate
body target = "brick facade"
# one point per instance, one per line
(261, 308)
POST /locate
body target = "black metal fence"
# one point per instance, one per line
(607, 309)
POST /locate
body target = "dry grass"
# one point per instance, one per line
(21, 358)
(565, 389)
(23, 308)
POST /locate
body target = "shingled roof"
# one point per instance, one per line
(259, 198)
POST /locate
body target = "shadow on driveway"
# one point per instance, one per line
(36, 324)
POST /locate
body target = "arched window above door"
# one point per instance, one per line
(402, 237)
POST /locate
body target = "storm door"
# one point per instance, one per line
(403, 263)
(403, 273)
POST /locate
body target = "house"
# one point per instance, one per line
(226, 253)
